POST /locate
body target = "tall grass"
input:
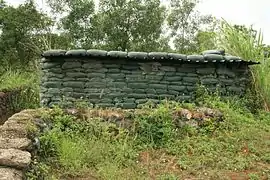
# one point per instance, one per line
(26, 86)
(249, 46)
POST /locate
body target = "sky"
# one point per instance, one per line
(242, 12)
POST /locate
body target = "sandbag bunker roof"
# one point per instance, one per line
(214, 56)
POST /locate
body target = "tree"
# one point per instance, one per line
(114, 24)
(184, 22)
(19, 29)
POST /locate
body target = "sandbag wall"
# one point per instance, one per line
(127, 82)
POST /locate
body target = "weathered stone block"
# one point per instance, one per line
(190, 79)
(15, 158)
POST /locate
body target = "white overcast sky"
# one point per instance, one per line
(247, 12)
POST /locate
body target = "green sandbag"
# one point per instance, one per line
(138, 85)
(73, 84)
(56, 52)
(136, 96)
(191, 88)
(54, 91)
(212, 57)
(95, 85)
(52, 84)
(71, 65)
(96, 75)
(117, 54)
(158, 55)
(91, 66)
(173, 92)
(166, 96)
(76, 75)
(117, 84)
(106, 100)
(176, 56)
(129, 100)
(96, 53)
(158, 86)
(173, 78)
(195, 58)
(116, 76)
(223, 71)
(141, 101)
(76, 52)
(50, 65)
(167, 68)
(218, 52)
(185, 70)
(161, 91)
(177, 88)
(190, 80)
(153, 77)
(140, 91)
(113, 70)
(206, 71)
(138, 55)
(228, 58)
(209, 81)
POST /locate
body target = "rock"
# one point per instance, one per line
(10, 174)
(16, 143)
(15, 158)
(210, 112)
(183, 113)
(13, 132)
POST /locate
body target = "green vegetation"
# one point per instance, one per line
(247, 43)
(24, 89)
(153, 146)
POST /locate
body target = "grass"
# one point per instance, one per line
(11, 80)
(153, 147)
(24, 89)
(249, 46)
